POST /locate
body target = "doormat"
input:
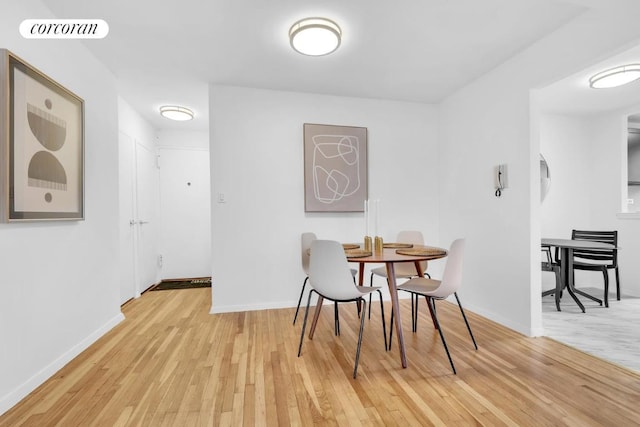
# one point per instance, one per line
(202, 282)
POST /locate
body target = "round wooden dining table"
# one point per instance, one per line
(389, 257)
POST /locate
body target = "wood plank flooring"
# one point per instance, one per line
(170, 363)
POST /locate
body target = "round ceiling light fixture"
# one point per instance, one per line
(315, 36)
(615, 77)
(175, 112)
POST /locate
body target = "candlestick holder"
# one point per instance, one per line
(378, 245)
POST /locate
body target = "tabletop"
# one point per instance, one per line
(576, 244)
(390, 255)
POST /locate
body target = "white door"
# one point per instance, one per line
(186, 213)
(146, 220)
(128, 288)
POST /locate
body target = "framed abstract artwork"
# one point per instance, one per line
(335, 168)
(42, 145)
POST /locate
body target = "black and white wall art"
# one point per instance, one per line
(43, 144)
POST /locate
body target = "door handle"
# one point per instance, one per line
(143, 222)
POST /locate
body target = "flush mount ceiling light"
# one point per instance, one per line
(315, 36)
(615, 77)
(175, 112)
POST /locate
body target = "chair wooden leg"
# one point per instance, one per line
(304, 323)
(304, 284)
(432, 302)
(617, 284)
(465, 320)
(355, 368)
(336, 319)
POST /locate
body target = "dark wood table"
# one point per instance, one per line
(566, 247)
(389, 257)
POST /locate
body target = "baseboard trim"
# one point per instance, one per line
(502, 321)
(15, 396)
(284, 304)
(248, 307)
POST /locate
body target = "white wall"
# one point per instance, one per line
(576, 192)
(59, 285)
(134, 131)
(566, 143)
(609, 142)
(587, 157)
(489, 122)
(257, 162)
(131, 123)
(183, 139)
(185, 204)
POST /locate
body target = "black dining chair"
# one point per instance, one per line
(601, 260)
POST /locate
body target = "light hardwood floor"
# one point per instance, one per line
(171, 363)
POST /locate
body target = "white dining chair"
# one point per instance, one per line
(305, 245)
(330, 277)
(440, 289)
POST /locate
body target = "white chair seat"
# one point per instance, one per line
(366, 290)
(420, 285)
(403, 270)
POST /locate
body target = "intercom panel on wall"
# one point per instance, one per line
(500, 176)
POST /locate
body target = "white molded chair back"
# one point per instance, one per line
(305, 245)
(410, 236)
(407, 269)
(329, 272)
(452, 277)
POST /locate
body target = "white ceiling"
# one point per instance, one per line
(165, 51)
(572, 95)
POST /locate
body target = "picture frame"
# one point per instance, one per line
(41, 145)
(335, 168)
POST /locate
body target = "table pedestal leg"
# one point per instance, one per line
(391, 281)
(360, 283)
(567, 267)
